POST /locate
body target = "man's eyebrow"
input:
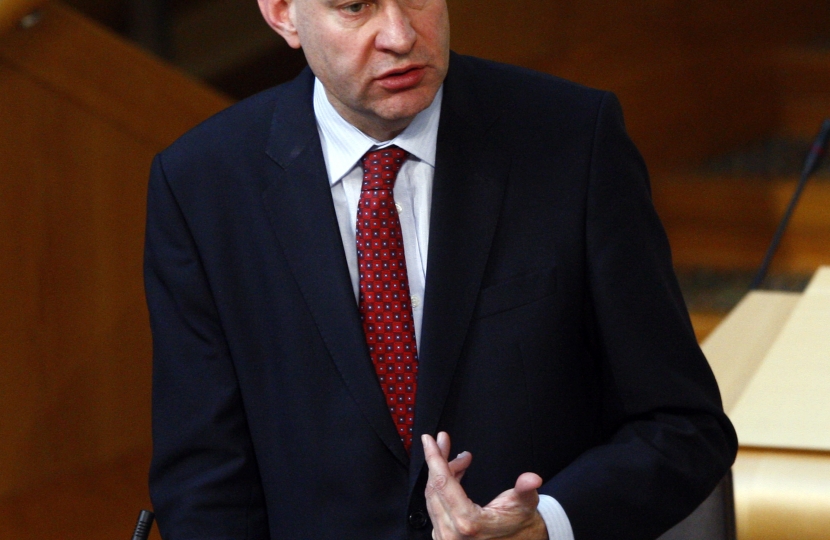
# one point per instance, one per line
(333, 3)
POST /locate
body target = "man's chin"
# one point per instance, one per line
(404, 106)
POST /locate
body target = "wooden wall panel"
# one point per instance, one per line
(728, 223)
(11, 11)
(109, 77)
(693, 77)
(74, 324)
(81, 117)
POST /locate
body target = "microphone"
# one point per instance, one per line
(810, 165)
(817, 150)
(145, 523)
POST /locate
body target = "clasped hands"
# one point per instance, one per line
(511, 515)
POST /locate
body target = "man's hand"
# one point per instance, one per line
(511, 515)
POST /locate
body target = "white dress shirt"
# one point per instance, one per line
(343, 147)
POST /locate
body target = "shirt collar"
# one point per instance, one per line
(344, 145)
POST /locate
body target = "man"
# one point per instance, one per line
(545, 331)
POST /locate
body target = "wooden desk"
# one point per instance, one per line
(773, 365)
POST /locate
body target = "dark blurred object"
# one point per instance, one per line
(273, 67)
(143, 526)
(714, 519)
(225, 43)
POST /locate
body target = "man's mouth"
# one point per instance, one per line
(401, 79)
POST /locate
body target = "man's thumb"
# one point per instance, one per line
(528, 483)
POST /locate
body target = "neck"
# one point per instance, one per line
(377, 128)
(380, 131)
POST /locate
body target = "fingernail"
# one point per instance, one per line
(461, 454)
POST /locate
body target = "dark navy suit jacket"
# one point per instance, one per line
(554, 338)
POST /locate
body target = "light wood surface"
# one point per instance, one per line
(785, 403)
(782, 495)
(704, 323)
(736, 348)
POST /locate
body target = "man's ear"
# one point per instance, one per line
(279, 14)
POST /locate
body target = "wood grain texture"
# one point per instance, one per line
(728, 222)
(783, 404)
(81, 116)
(694, 78)
(88, 503)
(112, 79)
(782, 495)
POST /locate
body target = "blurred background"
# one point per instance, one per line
(722, 97)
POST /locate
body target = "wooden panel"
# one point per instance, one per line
(88, 503)
(116, 80)
(74, 327)
(11, 11)
(524, 31)
(779, 494)
(728, 222)
(81, 116)
(704, 323)
(781, 405)
(737, 347)
(782, 495)
(803, 77)
(693, 77)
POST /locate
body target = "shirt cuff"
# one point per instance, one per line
(557, 522)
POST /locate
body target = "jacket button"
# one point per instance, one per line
(418, 519)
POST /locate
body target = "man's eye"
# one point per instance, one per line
(354, 8)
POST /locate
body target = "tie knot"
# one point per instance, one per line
(380, 168)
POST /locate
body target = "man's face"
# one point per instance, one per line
(381, 61)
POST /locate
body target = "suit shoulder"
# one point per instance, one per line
(235, 131)
(519, 89)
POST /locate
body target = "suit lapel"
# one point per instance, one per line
(301, 211)
(470, 178)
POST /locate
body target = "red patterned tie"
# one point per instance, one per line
(384, 290)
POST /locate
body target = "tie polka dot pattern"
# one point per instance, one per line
(384, 292)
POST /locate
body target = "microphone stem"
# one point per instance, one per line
(810, 165)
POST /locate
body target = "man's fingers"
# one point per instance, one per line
(525, 490)
(460, 464)
(456, 467)
(435, 459)
(528, 482)
(454, 515)
(443, 441)
(443, 490)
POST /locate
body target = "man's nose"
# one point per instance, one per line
(396, 33)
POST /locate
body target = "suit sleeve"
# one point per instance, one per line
(204, 480)
(667, 441)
